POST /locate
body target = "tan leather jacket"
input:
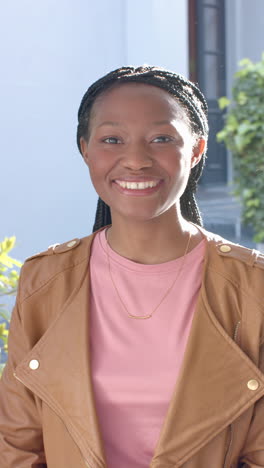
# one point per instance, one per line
(216, 415)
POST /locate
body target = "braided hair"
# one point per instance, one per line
(191, 100)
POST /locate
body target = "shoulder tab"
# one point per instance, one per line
(60, 248)
(259, 259)
(56, 249)
(251, 257)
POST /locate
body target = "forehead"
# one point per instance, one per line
(125, 99)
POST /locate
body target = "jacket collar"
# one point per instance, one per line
(214, 368)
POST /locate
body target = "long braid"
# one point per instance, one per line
(103, 215)
(191, 100)
(188, 202)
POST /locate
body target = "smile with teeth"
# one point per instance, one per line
(137, 185)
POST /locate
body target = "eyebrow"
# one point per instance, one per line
(108, 122)
(115, 124)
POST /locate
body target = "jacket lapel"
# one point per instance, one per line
(63, 378)
(211, 391)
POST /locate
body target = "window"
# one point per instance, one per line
(207, 67)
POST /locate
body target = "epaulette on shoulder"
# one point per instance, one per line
(56, 249)
(42, 267)
(251, 257)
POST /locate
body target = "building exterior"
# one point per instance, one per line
(221, 33)
(52, 51)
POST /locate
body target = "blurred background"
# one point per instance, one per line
(51, 51)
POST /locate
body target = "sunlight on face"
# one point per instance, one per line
(139, 133)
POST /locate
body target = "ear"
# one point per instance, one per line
(84, 149)
(198, 151)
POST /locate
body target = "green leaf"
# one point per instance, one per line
(220, 136)
(244, 127)
(2, 366)
(223, 102)
(5, 314)
(232, 122)
(254, 202)
(245, 62)
(247, 193)
(9, 276)
(7, 244)
(259, 237)
(242, 98)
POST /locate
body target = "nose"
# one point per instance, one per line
(137, 157)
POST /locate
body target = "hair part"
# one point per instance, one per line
(191, 100)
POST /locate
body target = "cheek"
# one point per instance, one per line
(176, 163)
(97, 163)
(95, 166)
(99, 168)
(96, 179)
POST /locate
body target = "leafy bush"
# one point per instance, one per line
(9, 276)
(243, 134)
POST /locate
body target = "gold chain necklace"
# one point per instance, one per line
(142, 317)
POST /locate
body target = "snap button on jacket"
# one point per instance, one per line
(216, 415)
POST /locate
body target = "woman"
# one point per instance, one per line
(140, 345)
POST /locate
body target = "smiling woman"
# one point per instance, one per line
(165, 320)
(145, 139)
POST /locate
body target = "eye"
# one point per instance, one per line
(112, 140)
(162, 139)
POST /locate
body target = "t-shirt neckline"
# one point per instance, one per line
(165, 267)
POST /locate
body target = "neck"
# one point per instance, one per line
(154, 241)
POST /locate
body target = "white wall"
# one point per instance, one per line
(157, 33)
(50, 52)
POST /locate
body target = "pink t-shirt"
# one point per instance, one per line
(135, 363)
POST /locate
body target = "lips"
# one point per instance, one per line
(137, 187)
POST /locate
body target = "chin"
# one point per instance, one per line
(137, 216)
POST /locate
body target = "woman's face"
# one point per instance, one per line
(140, 150)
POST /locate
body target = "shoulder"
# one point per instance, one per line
(41, 268)
(56, 253)
(228, 251)
(234, 282)
(241, 267)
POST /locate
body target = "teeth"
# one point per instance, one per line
(137, 185)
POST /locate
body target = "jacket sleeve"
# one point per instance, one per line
(21, 443)
(253, 451)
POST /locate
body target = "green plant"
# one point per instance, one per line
(9, 275)
(243, 134)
